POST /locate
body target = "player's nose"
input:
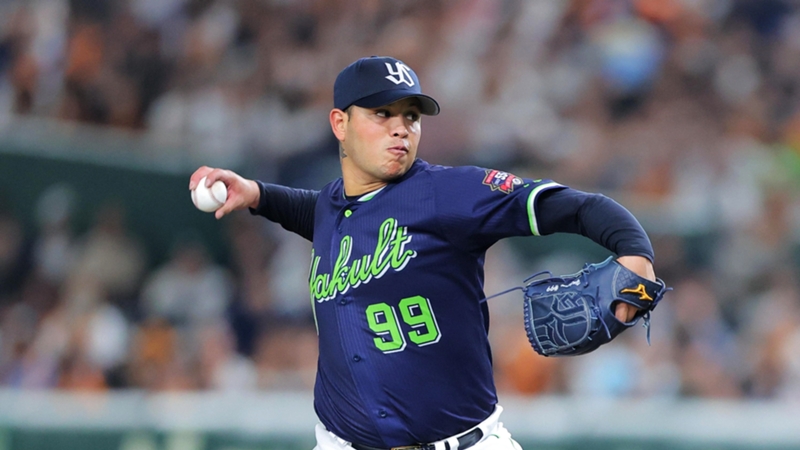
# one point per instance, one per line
(398, 127)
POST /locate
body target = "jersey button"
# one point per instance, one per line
(344, 300)
(348, 213)
(383, 414)
(356, 358)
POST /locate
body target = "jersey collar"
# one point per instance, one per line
(417, 167)
(366, 197)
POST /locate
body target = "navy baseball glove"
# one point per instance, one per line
(574, 314)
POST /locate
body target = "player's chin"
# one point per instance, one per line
(395, 169)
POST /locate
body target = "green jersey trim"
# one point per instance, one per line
(368, 197)
(532, 203)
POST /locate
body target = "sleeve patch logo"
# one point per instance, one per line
(501, 181)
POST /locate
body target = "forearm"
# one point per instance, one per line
(597, 217)
(292, 208)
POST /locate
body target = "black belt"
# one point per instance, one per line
(466, 440)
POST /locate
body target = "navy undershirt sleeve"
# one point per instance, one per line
(292, 208)
(595, 216)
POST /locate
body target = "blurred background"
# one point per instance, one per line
(130, 320)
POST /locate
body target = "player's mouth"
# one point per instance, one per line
(399, 150)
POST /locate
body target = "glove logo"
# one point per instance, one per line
(638, 290)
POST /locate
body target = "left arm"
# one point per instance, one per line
(604, 221)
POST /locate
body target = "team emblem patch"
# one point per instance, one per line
(501, 181)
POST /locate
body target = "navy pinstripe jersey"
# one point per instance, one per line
(396, 284)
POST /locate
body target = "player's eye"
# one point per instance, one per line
(412, 116)
(382, 113)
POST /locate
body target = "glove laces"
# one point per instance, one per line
(503, 293)
(520, 288)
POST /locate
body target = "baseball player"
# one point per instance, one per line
(396, 277)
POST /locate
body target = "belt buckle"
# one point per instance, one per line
(408, 447)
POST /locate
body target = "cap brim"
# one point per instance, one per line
(428, 105)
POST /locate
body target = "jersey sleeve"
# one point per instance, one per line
(595, 216)
(477, 206)
(292, 208)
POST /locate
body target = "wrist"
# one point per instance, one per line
(255, 196)
(639, 265)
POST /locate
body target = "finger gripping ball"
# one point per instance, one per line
(209, 199)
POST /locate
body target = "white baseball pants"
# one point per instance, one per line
(495, 437)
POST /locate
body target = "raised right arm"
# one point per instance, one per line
(292, 208)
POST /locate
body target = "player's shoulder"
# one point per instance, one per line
(470, 180)
(452, 172)
(478, 176)
(334, 189)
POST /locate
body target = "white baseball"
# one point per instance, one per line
(209, 199)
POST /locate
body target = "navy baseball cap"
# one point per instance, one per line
(377, 81)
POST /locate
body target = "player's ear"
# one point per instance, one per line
(338, 120)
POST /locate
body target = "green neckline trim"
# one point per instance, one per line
(368, 197)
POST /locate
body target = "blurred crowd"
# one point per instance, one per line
(686, 111)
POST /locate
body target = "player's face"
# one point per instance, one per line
(380, 144)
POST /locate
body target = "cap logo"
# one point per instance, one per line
(400, 75)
